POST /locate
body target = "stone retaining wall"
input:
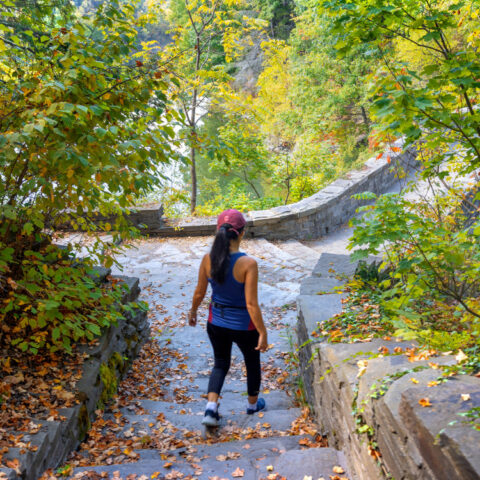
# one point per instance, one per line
(117, 347)
(311, 217)
(415, 442)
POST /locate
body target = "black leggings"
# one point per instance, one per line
(221, 339)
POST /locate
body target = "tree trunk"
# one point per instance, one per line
(365, 116)
(193, 175)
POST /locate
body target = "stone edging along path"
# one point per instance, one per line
(107, 362)
(414, 442)
(311, 217)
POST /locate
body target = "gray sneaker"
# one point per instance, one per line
(211, 419)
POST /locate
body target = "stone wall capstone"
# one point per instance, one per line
(415, 442)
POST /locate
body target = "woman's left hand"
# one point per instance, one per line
(192, 318)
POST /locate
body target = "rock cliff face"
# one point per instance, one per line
(249, 67)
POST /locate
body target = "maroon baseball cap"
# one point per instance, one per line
(234, 218)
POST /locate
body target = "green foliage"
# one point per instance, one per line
(370, 272)
(434, 262)
(234, 197)
(424, 89)
(77, 98)
(74, 119)
(279, 14)
(206, 37)
(55, 303)
(431, 93)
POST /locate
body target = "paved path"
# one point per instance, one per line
(153, 429)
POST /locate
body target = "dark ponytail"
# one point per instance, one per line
(220, 252)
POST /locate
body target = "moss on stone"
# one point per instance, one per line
(108, 377)
(117, 361)
(132, 339)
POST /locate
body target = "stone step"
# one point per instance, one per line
(268, 421)
(302, 255)
(229, 402)
(256, 458)
(336, 242)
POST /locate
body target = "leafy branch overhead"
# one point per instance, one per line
(78, 97)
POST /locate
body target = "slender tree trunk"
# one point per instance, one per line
(193, 175)
(365, 117)
(193, 148)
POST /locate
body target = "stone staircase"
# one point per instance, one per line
(156, 418)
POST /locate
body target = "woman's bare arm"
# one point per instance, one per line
(251, 297)
(200, 291)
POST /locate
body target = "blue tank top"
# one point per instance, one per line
(230, 293)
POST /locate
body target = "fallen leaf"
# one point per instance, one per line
(460, 357)
(425, 402)
(269, 468)
(362, 367)
(433, 383)
(338, 469)
(465, 397)
(15, 465)
(238, 473)
(414, 380)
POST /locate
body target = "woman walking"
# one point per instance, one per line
(235, 315)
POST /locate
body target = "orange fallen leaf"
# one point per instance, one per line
(338, 469)
(15, 465)
(425, 402)
(433, 383)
